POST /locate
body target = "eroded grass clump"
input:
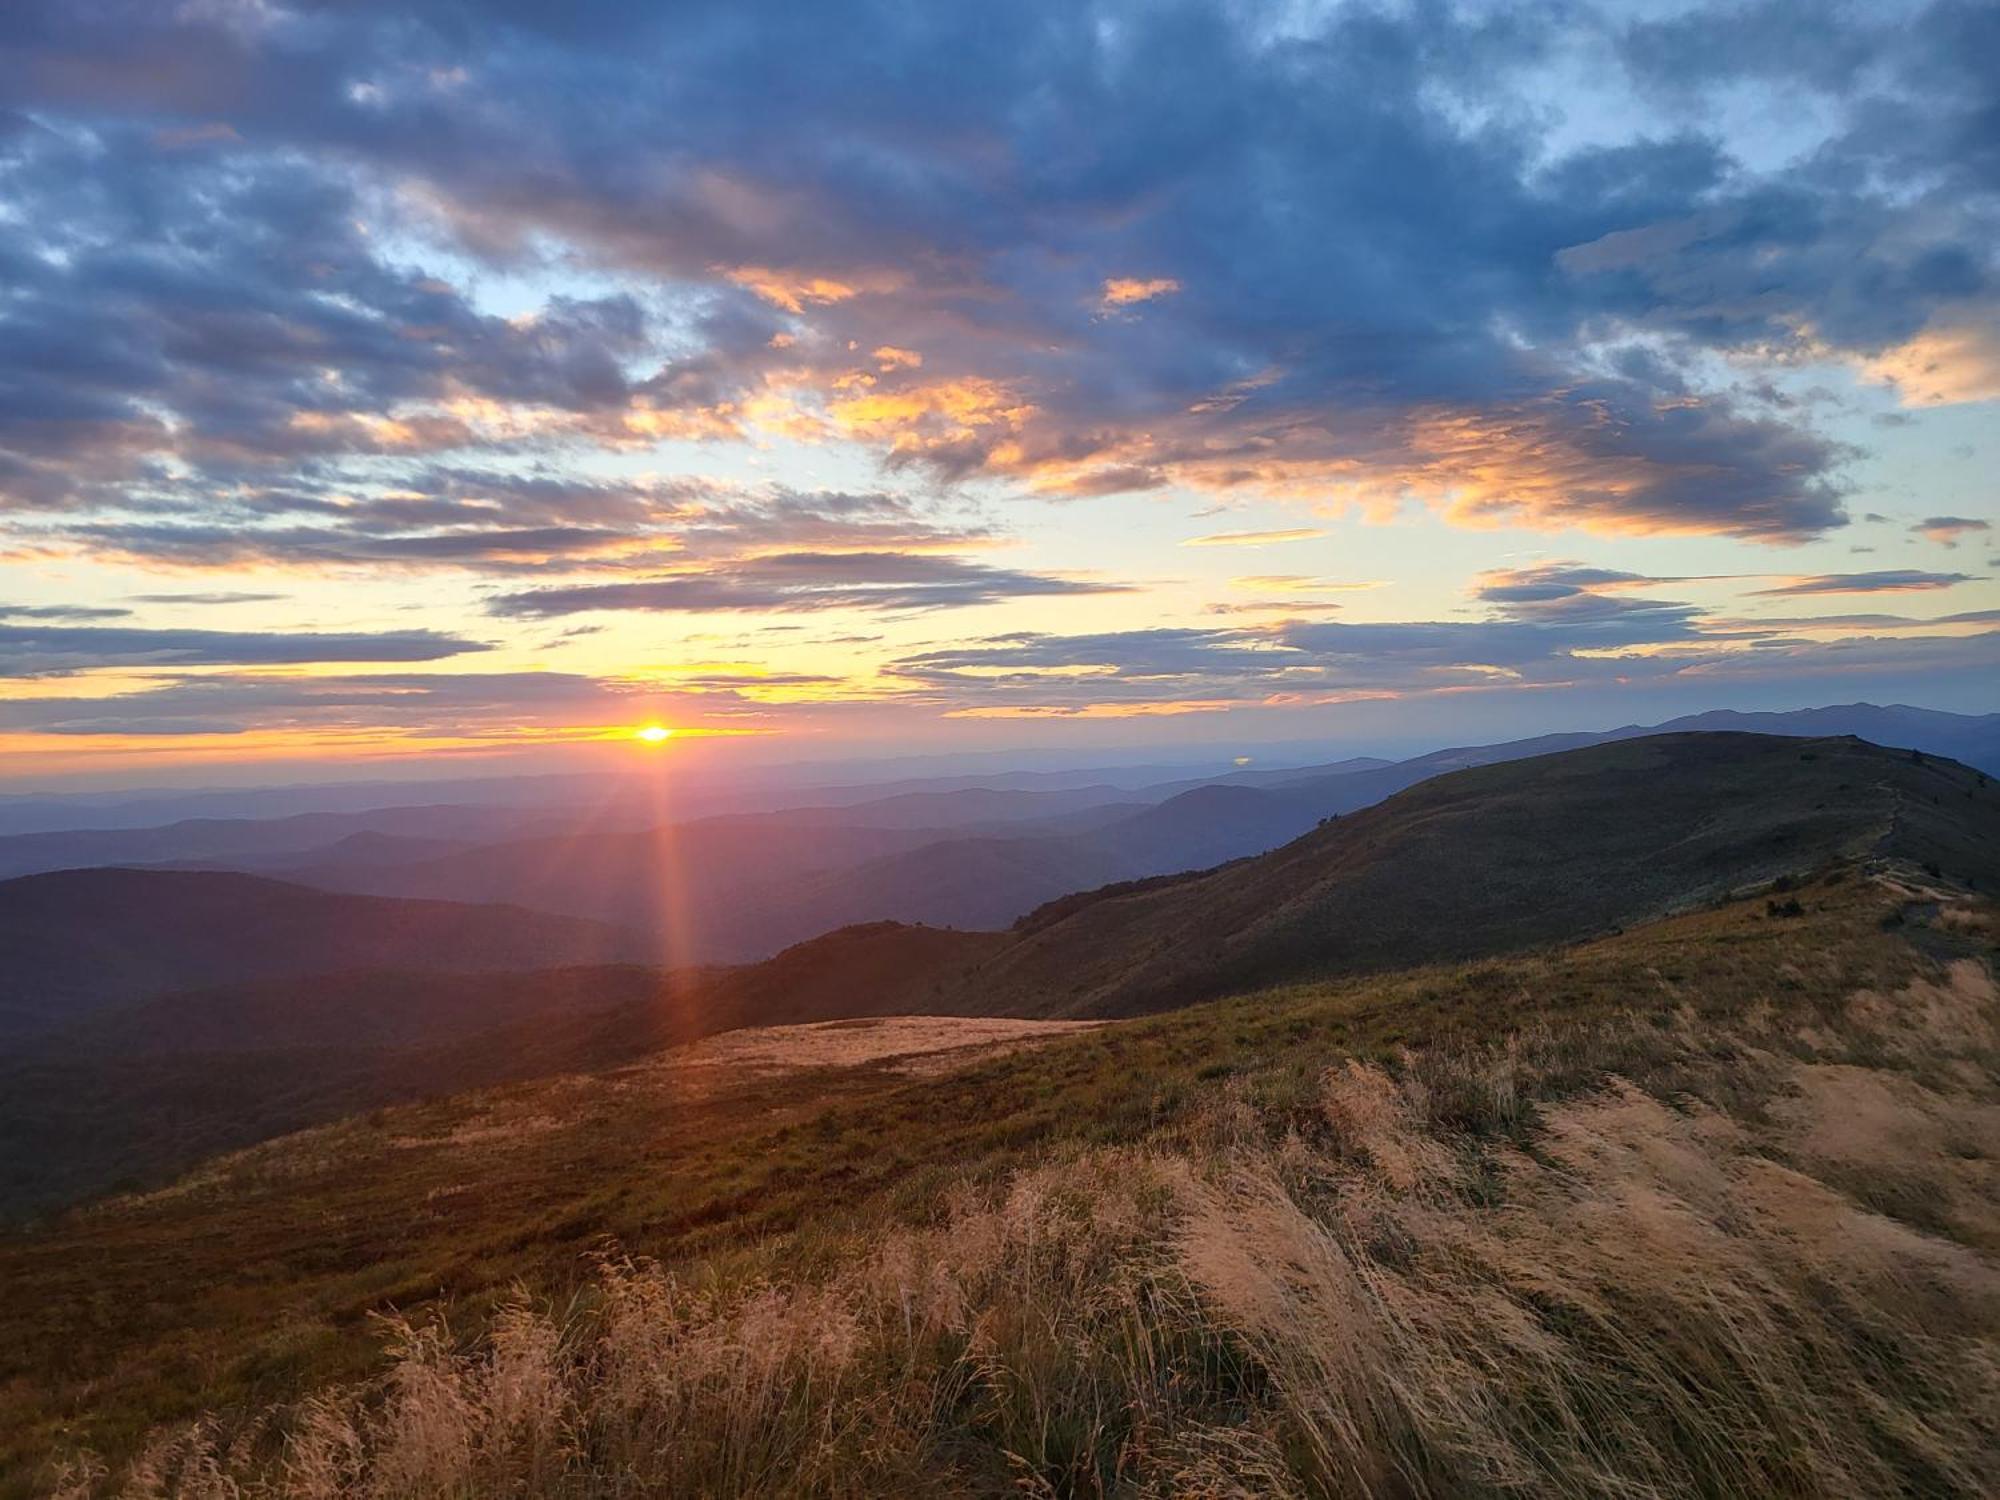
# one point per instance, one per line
(1636, 1256)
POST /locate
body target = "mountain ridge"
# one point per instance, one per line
(1496, 858)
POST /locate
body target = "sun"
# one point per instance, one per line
(653, 734)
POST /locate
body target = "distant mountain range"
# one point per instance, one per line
(301, 1005)
(741, 886)
(76, 941)
(1497, 858)
(735, 889)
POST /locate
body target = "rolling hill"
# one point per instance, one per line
(131, 1094)
(1971, 738)
(1706, 1191)
(1474, 863)
(252, 844)
(737, 888)
(75, 941)
(1499, 858)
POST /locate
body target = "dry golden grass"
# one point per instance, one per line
(1748, 1261)
(916, 1045)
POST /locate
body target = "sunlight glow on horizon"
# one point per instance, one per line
(915, 457)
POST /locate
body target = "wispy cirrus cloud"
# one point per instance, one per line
(1129, 291)
(67, 613)
(432, 519)
(807, 581)
(213, 597)
(60, 650)
(1879, 581)
(448, 704)
(1300, 663)
(1256, 538)
(1305, 583)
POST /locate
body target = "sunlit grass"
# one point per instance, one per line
(1586, 1223)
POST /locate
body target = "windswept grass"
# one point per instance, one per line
(1643, 1248)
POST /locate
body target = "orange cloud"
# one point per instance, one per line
(934, 418)
(1254, 538)
(1955, 359)
(794, 290)
(1126, 291)
(1277, 583)
(1165, 708)
(1948, 531)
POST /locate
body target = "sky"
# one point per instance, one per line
(479, 382)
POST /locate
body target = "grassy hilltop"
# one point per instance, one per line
(1701, 1205)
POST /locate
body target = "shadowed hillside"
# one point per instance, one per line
(1499, 858)
(737, 888)
(132, 1094)
(1478, 862)
(1699, 1208)
(75, 941)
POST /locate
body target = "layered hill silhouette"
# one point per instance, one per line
(76, 941)
(1478, 862)
(1499, 858)
(731, 889)
(251, 845)
(1717, 1175)
(131, 1094)
(740, 886)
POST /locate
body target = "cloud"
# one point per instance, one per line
(66, 612)
(42, 651)
(1883, 581)
(1948, 530)
(444, 703)
(1947, 362)
(482, 290)
(1295, 663)
(1550, 582)
(460, 519)
(392, 706)
(1126, 291)
(807, 581)
(1257, 662)
(219, 597)
(1767, 623)
(1255, 538)
(141, 347)
(1550, 625)
(762, 248)
(1304, 582)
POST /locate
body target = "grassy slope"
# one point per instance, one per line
(1497, 858)
(1480, 861)
(131, 1097)
(256, 1282)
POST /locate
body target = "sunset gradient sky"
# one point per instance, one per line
(483, 381)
